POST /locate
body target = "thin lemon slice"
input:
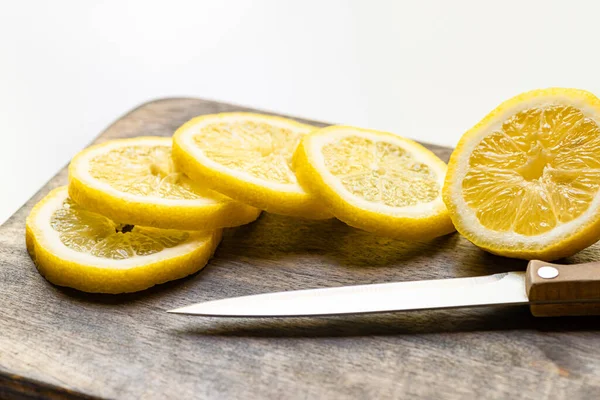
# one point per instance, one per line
(80, 249)
(524, 182)
(136, 182)
(375, 181)
(248, 158)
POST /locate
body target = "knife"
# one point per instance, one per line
(548, 289)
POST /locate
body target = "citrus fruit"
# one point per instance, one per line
(81, 249)
(524, 181)
(248, 158)
(135, 181)
(375, 181)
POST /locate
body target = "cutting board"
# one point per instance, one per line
(63, 344)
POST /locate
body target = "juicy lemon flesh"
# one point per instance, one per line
(380, 172)
(257, 148)
(144, 171)
(540, 170)
(92, 233)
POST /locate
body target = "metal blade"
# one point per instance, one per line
(505, 288)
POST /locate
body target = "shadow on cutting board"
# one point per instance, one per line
(275, 237)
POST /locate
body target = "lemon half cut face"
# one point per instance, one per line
(525, 181)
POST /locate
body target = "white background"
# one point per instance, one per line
(428, 70)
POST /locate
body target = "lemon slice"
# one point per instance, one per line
(248, 158)
(84, 250)
(524, 181)
(136, 182)
(375, 181)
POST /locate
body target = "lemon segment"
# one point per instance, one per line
(136, 181)
(375, 181)
(80, 249)
(248, 158)
(524, 181)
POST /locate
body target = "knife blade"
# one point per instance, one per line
(540, 285)
(506, 288)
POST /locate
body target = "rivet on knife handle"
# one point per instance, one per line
(562, 290)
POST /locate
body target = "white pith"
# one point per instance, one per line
(511, 239)
(50, 240)
(417, 210)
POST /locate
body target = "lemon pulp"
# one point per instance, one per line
(144, 170)
(263, 150)
(380, 172)
(92, 233)
(540, 169)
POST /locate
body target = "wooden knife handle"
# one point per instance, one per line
(561, 290)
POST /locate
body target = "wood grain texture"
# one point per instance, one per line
(128, 347)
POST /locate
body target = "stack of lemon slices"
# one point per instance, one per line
(142, 211)
(137, 212)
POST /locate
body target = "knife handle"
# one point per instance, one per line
(563, 290)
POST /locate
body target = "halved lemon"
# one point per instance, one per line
(376, 181)
(248, 158)
(524, 182)
(135, 181)
(80, 249)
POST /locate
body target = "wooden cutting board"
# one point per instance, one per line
(65, 344)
